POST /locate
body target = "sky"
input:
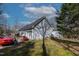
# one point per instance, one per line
(28, 12)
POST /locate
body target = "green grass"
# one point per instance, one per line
(55, 49)
(34, 48)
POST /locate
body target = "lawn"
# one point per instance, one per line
(34, 48)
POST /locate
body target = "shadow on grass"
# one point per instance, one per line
(22, 51)
(67, 43)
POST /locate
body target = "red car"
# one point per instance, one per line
(6, 40)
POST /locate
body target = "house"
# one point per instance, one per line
(34, 30)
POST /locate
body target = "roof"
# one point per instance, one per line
(32, 25)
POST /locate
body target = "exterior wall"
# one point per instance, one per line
(37, 32)
(26, 33)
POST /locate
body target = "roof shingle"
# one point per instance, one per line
(32, 25)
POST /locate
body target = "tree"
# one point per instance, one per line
(43, 27)
(1, 28)
(3, 20)
(69, 19)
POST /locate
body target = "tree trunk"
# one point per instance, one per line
(44, 47)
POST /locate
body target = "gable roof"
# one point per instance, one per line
(32, 25)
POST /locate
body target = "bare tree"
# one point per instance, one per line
(43, 27)
(2, 20)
